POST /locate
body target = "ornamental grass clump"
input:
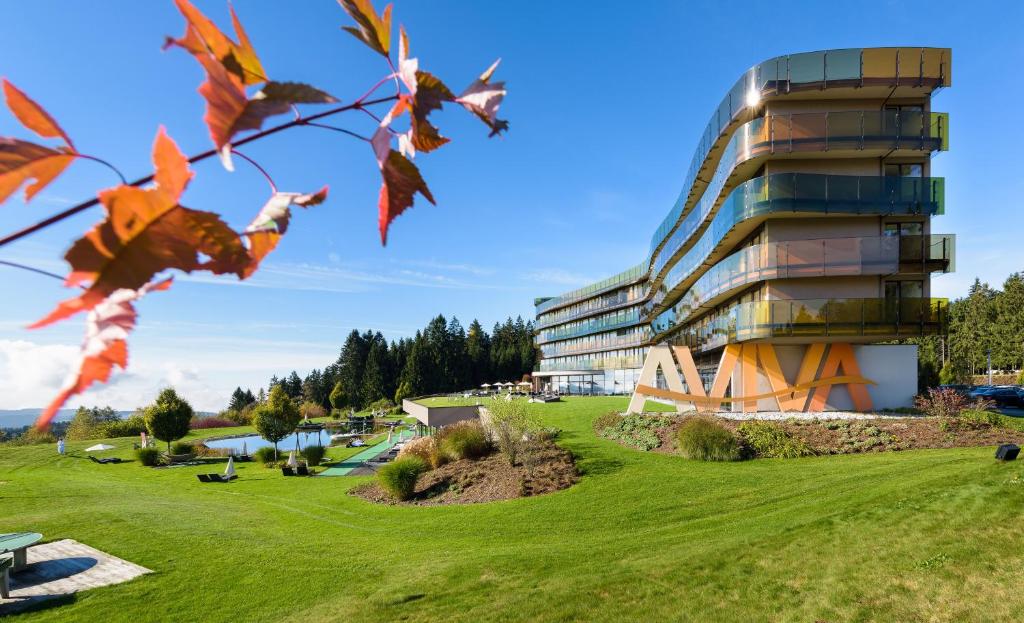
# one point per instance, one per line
(425, 448)
(463, 440)
(770, 440)
(399, 477)
(703, 439)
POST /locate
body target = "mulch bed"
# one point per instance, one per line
(872, 435)
(547, 469)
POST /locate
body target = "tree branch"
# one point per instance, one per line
(81, 207)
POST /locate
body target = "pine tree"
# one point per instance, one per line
(351, 363)
(375, 376)
(478, 353)
(237, 402)
(293, 386)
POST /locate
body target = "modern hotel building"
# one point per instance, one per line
(805, 218)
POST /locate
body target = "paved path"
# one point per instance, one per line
(62, 568)
(352, 462)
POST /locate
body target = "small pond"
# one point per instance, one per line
(254, 442)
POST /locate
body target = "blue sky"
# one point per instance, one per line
(606, 102)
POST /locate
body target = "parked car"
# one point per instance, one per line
(1005, 397)
(963, 390)
(981, 391)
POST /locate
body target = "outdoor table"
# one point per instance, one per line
(18, 543)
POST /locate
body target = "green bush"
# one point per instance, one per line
(182, 447)
(128, 427)
(148, 456)
(770, 440)
(399, 477)
(974, 418)
(265, 455)
(464, 440)
(639, 431)
(314, 455)
(706, 440)
(381, 405)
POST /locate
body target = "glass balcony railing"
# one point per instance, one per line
(830, 257)
(877, 318)
(608, 301)
(800, 132)
(590, 363)
(919, 67)
(600, 342)
(803, 193)
(607, 322)
(617, 281)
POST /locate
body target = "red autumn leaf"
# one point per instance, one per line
(21, 161)
(203, 38)
(106, 331)
(147, 231)
(271, 223)
(401, 181)
(482, 98)
(229, 111)
(373, 30)
(32, 115)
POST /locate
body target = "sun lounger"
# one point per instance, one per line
(105, 461)
(203, 477)
(287, 471)
(302, 470)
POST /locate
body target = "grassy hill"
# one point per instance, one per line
(912, 536)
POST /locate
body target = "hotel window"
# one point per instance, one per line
(914, 228)
(914, 169)
(904, 290)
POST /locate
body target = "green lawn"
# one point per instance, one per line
(915, 536)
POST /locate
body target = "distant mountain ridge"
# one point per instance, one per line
(16, 418)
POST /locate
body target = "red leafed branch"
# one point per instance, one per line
(146, 231)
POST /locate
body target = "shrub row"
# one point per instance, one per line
(770, 440)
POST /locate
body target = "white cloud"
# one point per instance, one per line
(558, 276)
(31, 374)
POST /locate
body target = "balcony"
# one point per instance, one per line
(805, 194)
(624, 278)
(597, 324)
(830, 257)
(874, 319)
(883, 131)
(917, 68)
(590, 363)
(605, 343)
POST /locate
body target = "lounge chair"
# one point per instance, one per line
(287, 471)
(302, 470)
(203, 477)
(112, 459)
(6, 563)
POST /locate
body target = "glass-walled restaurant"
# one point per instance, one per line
(585, 383)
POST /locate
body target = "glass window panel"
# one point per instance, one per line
(807, 68)
(842, 65)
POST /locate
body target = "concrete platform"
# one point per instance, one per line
(61, 569)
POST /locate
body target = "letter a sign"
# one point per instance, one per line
(809, 393)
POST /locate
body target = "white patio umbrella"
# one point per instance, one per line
(291, 460)
(486, 385)
(230, 471)
(525, 384)
(390, 430)
(245, 450)
(100, 447)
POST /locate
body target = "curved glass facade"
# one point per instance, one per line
(814, 318)
(922, 67)
(810, 195)
(808, 132)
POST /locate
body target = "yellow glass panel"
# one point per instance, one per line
(880, 63)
